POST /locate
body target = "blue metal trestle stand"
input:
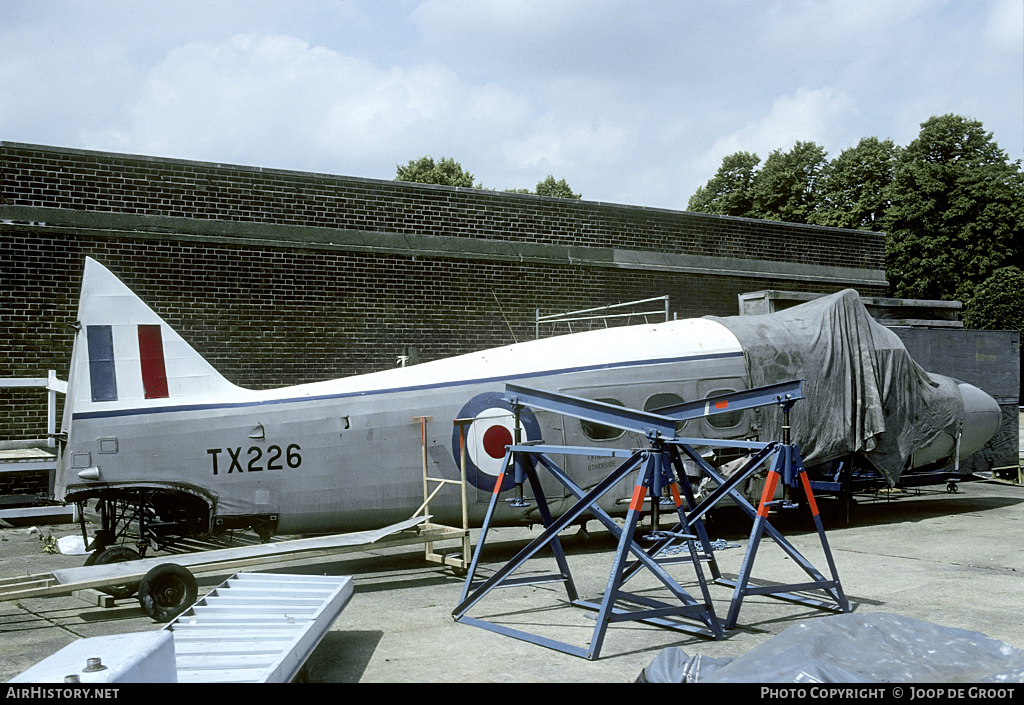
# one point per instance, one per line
(787, 467)
(657, 613)
(657, 469)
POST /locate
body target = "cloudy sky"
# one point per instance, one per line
(631, 102)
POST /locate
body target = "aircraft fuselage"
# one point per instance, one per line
(149, 420)
(347, 454)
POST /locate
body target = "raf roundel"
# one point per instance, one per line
(492, 429)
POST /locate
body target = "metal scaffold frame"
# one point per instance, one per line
(458, 561)
(570, 317)
(660, 468)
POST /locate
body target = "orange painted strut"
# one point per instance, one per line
(675, 494)
(810, 495)
(769, 492)
(639, 493)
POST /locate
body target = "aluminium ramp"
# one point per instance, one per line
(256, 627)
(220, 561)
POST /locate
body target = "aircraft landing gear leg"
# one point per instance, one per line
(116, 517)
(116, 554)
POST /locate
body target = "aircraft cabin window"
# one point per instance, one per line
(663, 399)
(599, 432)
(729, 418)
(660, 401)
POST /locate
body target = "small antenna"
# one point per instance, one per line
(503, 316)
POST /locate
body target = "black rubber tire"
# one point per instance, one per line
(116, 554)
(167, 591)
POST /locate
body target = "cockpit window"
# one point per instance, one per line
(728, 419)
(599, 432)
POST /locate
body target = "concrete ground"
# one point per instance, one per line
(952, 559)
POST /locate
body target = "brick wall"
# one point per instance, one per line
(26, 484)
(274, 313)
(39, 176)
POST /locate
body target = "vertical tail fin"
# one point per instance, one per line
(126, 356)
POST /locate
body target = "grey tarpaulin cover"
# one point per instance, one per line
(862, 391)
(853, 648)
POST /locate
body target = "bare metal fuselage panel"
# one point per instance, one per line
(346, 454)
(351, 461)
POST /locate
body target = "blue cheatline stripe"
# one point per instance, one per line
(102, 376)
(394, 390)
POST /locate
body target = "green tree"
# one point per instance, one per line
(548, 187)
(425, 170)
(557, 189)
(728, 191)
(998, 302)
(957, 211)
(788, 185)
(854, 190)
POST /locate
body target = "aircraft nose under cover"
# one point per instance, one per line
(863, 392)
(982, 418)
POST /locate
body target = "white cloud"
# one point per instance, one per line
(818, 115)
(298, 106)
(1004, 26)
(51, 89)
(629, 102)
(554, 144)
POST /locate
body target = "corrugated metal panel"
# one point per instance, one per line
(256, 627)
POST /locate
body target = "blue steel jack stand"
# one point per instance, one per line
(658, 613)
(657, 473)
(694, 512)
(788, 467)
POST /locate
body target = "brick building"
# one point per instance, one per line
(282, 277)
